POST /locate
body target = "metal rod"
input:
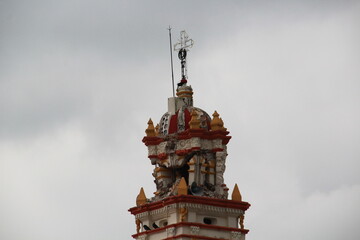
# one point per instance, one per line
(172, 66)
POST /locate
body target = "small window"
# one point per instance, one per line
(163, 223)
(209, 221)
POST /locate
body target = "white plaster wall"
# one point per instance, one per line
(220, 221)
(232, 221)
(196, 214)
(187, 230)
(214, 233)
(173, 217)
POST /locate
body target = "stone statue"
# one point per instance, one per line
(183, 214)
(241, 221)
(138, 222)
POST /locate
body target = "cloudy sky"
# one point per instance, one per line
(79, 80)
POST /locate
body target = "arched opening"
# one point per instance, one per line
(183, 172)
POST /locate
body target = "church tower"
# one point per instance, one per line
(188, 149)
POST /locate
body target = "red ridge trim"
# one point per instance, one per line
(190, 133)
(152, 140)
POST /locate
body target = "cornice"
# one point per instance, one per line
(192, 201)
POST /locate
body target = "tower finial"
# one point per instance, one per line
(182, 188)
(194, 121)
(150, 131)
(236, 195)
(182, 47)
(217, 123)
(141, 198)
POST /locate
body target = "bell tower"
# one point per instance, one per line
(188, 149)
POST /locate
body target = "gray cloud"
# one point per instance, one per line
(79, 80)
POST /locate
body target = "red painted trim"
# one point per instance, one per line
(217, 149)
(203, 134)
(188, 224)
(195, 148)
(173, 123)
(182, 152)
(190, 199)
(190, 133)
(187, 118)
(152, 140)
(194, 237)
(196, 132)
(162, 156)
(226, 140)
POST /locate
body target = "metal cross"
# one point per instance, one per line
(184, 42)
(182, 47)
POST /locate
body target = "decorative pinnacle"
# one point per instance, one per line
(236, 196)
(150, 131)
(194, 122)
(182, 47)
(217, 123)
(182, 187)
(157, 129)
(141, 198)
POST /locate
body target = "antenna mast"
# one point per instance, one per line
(172, 67)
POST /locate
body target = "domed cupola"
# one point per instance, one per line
(177, 119)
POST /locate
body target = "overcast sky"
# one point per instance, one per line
(80, 79)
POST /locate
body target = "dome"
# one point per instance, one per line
(179, 122)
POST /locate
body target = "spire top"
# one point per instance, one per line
(194, 121)
(217, 123)
(182, 187)
(236, 196)
(150, 131)
(141, 198)
(182, 47)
